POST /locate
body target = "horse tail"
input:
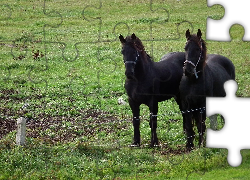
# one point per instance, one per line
(232, 74)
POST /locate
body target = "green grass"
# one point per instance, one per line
(69, 69)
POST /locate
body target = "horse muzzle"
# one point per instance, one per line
(190, 72)
(130, 70)
(130, 75)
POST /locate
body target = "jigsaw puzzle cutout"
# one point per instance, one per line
(234, 135)
(236, 12)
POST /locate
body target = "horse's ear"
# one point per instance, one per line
(199, 34)
(122, 39)
(188, 34)
(133, 36)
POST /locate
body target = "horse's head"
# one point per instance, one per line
(195, 51)
(131, 53)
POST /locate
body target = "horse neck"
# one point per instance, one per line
(204, 55)
(202, 63)
(144, 67)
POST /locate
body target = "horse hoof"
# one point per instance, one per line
(134, 145)
(154, 144)
(189, 148)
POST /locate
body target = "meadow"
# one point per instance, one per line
(61, 67)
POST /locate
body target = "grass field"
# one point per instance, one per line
(61, 68)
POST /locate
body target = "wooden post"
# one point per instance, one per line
(21, 130)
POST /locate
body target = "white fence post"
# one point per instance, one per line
(21, 130)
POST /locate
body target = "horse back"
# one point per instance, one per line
(171, 63)
(169, 71)
(223, 63)
(177, 57)
(220, 70)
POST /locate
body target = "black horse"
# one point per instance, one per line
(149, 82)
(204, 75)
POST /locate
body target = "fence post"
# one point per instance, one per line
(21, 130)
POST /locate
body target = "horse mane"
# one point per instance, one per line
(137, 44)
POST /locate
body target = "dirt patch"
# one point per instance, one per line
(6, 126)
(178, 150)
(55, 129)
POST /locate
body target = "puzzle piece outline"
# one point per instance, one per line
(226, 136)
(218, 30)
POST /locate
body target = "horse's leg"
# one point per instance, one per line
(153, 123)
(178, 100)
(184, 123)
(204, 127)
(188, 125)
(136, 121)
(201, 126)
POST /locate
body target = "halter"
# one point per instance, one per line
(195, 65)
(136, 59)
